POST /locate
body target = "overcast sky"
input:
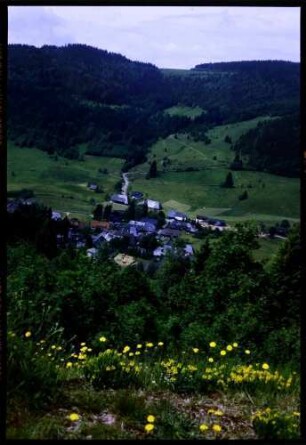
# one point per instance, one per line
(169, 37)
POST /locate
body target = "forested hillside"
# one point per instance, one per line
(61, 97)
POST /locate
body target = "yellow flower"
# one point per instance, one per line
(28, 334)
(139, 346)
(235, 345)
(126, 349)
(247, 351)
(229, 347)
(137, 353)
(212, 344)
(149, 427)
(265, 366)
(203, 427)
(74, 417)
(222, 352)
(83, 343)
(131, 354)
(216, 428)
(68, 365)
(102, 339)
(195, 350)
(84, 349)
(218, 412)
(210, 360)
(150, 418)
(149, 345)
(160, 343)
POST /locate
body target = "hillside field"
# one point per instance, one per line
(61, 184)
(270, 197)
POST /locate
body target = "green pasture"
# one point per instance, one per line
(184, 111)
(61, 184)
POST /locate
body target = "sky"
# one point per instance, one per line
(169, 36)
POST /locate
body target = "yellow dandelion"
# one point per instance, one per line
(223, 352)
(68, 364)
(216, 428)
(131, 354)
(265, 366)
(53, 347)
(218, 412)
(28, 334)
(102, 339)
(212, 344)
(149, 427)
(247, 351)
(149, 345)
(137, 353)
(151, 418)
(235, 345)
(210, 360)
(74, 417)
(203, 427)
(229, 347)
(139, 346)
(83, 343)
(195, 350)
(126, 349)
(160, 343)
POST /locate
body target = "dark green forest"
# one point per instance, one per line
(62, 97)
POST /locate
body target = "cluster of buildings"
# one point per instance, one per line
(146, 237)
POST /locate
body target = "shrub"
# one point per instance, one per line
(272, 424)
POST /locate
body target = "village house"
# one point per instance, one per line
(124, 260)
(178, 216)
(153, 205)
(120, 199)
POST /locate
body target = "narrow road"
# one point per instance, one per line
(125, 184)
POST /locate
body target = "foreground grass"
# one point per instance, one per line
(144, 391)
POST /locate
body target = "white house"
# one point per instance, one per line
(153, 205)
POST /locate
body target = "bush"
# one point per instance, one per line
(272, 424)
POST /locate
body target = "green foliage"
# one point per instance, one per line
(272, 424)
(31, 373)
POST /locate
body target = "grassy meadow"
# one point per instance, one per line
(181, 110)
(270, 197)
(61, 184)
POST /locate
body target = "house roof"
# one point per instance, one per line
(169, 232)
(153, 204)
(122, 199)
(124, 260)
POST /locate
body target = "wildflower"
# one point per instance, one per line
(89, 349)
(212, 344)
(235, 345)
(83, 343)
(68, 364)
(59, 348)
(28, 334)
(216, 428)
(126, 349)
(139, 346)
(195, 350)
(149, 427)
(137, 353)
(229, 347)
(74, 417)
(150, 418)
(265, 366)
(102, 339)
(131, 354)
(210, 360)
(203, 427)
(247, 351)
(84, 349)
(53, 347)
(160, 343)
(218, 412)
(149, 345)
(222, 352)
